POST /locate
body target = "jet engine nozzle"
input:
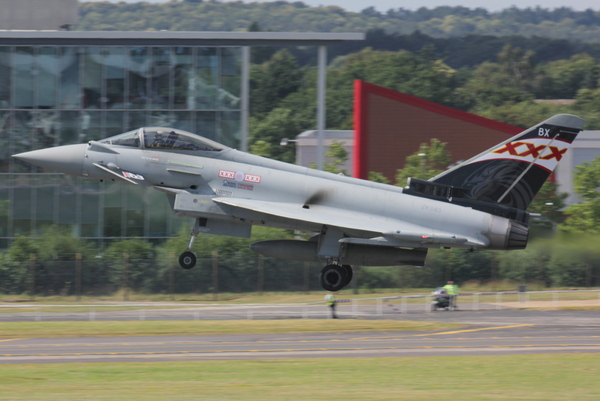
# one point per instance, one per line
(64, 159)
(506, 234)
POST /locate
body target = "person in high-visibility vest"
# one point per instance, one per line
(452, 290)
(330, 301)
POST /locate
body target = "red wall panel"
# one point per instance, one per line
(389, 126)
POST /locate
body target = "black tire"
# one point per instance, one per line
(349, 274)
(333, 277)
(187, 260)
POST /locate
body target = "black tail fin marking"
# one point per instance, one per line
(512, 173)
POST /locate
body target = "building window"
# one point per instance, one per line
(58, 95)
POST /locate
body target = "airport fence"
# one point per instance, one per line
(217, 274)
(488, 300)
(375, 307)
(96, 277)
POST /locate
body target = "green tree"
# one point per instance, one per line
(54, 243)
(278, 124)
(376, 176)
(134, 248)
(567, 77)
(587, 99)
(58, 243)
(261, 148)
(523, 114)
(509, 80)
(337, 156)
(21, 249)
(574, 261)
(427, 162)
(273, 81)
(549, 203)
(283, 16)
(132, 263)
(584, 217)
(55, 253)
(420, 74)
(528, 265)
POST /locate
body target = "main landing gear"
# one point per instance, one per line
(335, 277)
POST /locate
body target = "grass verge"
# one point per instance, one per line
(524, 377)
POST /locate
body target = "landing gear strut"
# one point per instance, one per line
(335, 277)
(187, 260)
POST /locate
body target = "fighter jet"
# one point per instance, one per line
(478, 204)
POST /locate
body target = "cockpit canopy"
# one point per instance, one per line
(164, 138)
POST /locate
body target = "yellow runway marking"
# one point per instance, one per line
(467, 331)
(12, 339)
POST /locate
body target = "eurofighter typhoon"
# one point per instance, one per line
(479, 204)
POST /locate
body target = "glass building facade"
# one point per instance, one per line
(58, 95)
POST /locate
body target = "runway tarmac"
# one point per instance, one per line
(490, 332)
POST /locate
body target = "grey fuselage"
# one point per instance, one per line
(193, 179)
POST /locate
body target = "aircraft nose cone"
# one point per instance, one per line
(64, 159)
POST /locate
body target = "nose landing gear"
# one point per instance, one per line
(187, 260)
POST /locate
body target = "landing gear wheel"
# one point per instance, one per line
(187, 260)
(333, 277)
(349, 274)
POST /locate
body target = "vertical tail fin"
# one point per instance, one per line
(513, 172)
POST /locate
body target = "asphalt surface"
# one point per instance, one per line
(490, 332)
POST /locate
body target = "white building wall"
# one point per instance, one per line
(584, 149)
(307, 147)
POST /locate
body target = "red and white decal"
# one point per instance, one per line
(524, 149)
(252, 178)
(239, 176)
(227, 174)
(538, 150)
(127, 174)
